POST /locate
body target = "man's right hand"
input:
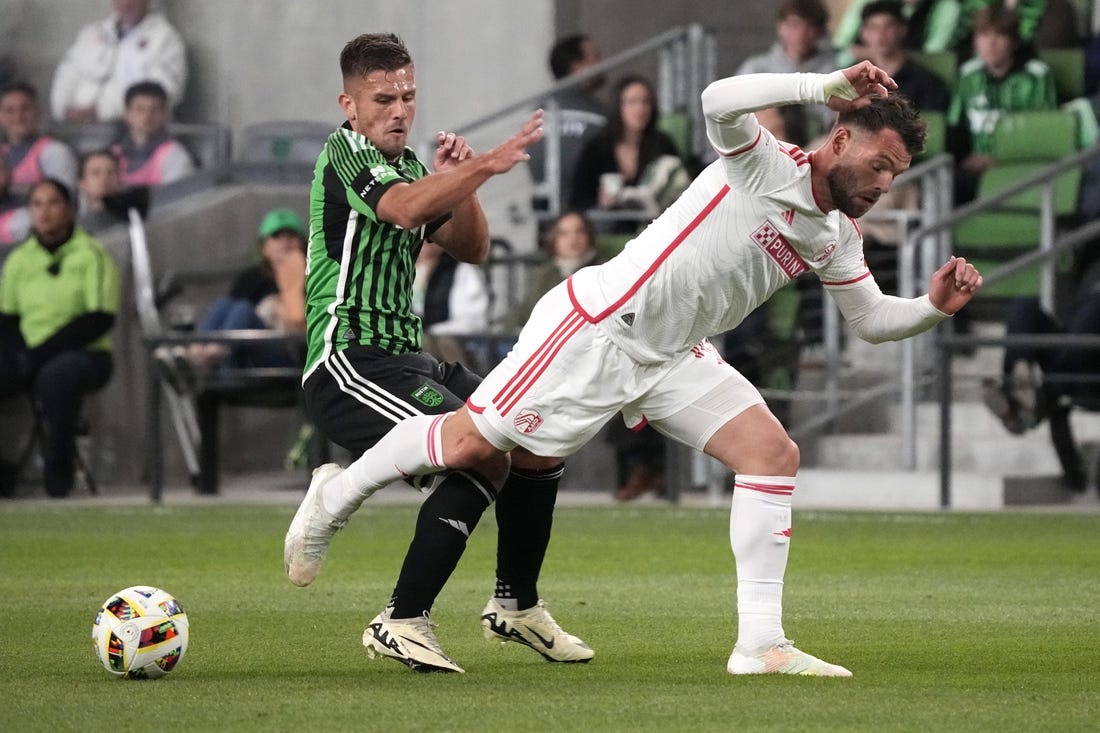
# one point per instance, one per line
(861, 83)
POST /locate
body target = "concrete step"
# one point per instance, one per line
(1001, 455)
(823, 488)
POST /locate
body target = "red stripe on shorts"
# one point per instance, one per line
(533, 368)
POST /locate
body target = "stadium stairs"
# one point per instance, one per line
(856, 465)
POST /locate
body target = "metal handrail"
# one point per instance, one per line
(940, 230)
(680, 79)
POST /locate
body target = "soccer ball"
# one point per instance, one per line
(140, 633)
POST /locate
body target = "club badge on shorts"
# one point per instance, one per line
(527, 421)
(428, 395)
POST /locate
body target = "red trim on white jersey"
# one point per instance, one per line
(817, 201)
(745, 149)
(856, 225)
(474, 408)
(641, 426)
(652, 268)
(847, 282)
(533, 368)
(795, 153)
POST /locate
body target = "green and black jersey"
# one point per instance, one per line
(359, 269)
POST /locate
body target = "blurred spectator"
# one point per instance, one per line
(15, 217)
(631, 164)
(111, 55)
(930, 27)
(1031, 388)
(569, 245)
(452, 299)
(1042, 24)
(9, 71)
(99, 179)
(787, 123)
(882, 34)
(582, 113)
(147, 155)
(58, 300)
(30, 155)
(999, 79)
(801, 45)
(270, 294)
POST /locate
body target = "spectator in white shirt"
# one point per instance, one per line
(111, 55)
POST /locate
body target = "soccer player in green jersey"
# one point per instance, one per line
(372, 205)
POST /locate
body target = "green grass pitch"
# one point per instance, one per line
(952, 622)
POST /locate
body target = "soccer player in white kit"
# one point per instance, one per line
(630, 335)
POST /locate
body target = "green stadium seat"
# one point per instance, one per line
(677, 125)
(943, 64)
(935, 141)
(1035, 135)
(609, 245)
(1068, 67)
(1088, 129)
(1023, 143)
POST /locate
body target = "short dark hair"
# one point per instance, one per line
(997, 19)
(813, 12)
(373, 52)
(146, 88)
(61, 188)
(894, 112)
(566, 52)
(21, 87)
(893, 8)
(100, 153)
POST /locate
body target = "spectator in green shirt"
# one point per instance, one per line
(998, 79)
(1043, 23)
(58, 300)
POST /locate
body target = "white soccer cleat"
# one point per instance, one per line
(536, 628)
(410, 641)
(311, 531)
(782, 658)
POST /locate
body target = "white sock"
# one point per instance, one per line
(412, 448)
(760, 535)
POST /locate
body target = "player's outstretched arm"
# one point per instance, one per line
(410, 205)
(953, 285)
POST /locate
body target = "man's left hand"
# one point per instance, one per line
(953, 285)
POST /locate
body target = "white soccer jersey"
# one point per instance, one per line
(747, 226)
(628, 335)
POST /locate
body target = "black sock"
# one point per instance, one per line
(525, 515)
(446, 520)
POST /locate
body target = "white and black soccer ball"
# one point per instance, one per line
(140, 633)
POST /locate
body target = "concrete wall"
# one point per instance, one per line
(256, 60)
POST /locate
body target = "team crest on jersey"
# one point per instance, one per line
(527, 421)
(825, 252)
(428, 395)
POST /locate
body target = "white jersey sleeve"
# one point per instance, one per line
(733, 130)
(876, 317)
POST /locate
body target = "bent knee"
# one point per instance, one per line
(774, 455)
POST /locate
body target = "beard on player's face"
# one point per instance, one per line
(844, 191)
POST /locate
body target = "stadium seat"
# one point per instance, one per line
(1068, 67)
(1023, 144)
(936, 139)
(943, 64)
(280, 150)
(677, 125)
